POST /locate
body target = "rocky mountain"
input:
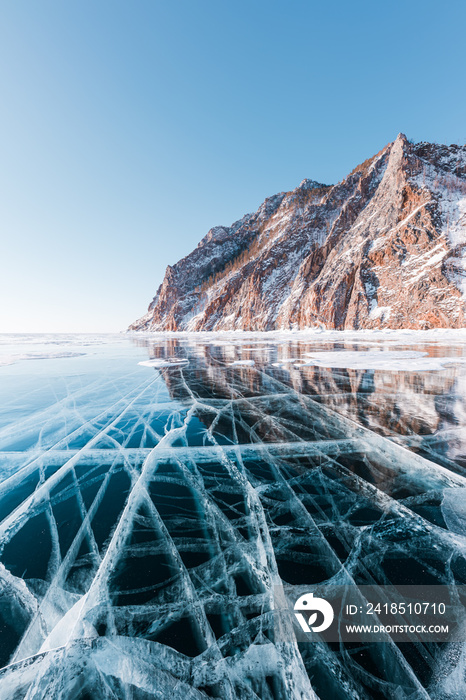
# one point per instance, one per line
(386, 247)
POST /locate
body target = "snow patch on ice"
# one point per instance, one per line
(11, 359)
(165, 362)
(404, 361)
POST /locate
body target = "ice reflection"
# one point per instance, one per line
(148, 512)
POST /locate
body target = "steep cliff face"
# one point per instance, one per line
(386, 247)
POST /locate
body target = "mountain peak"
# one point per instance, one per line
(306, 185)
(384, 248)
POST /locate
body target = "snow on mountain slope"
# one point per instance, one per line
(384, 248)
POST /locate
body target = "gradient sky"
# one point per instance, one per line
(129, 128)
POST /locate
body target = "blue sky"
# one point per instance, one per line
(128, 129)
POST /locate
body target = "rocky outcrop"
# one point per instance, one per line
(386, 247)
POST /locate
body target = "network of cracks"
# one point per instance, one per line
(147, 519)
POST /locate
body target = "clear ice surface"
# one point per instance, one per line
(148, 508)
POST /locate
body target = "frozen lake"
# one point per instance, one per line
(155, 489)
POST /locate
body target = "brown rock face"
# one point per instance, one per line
(385, 248)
